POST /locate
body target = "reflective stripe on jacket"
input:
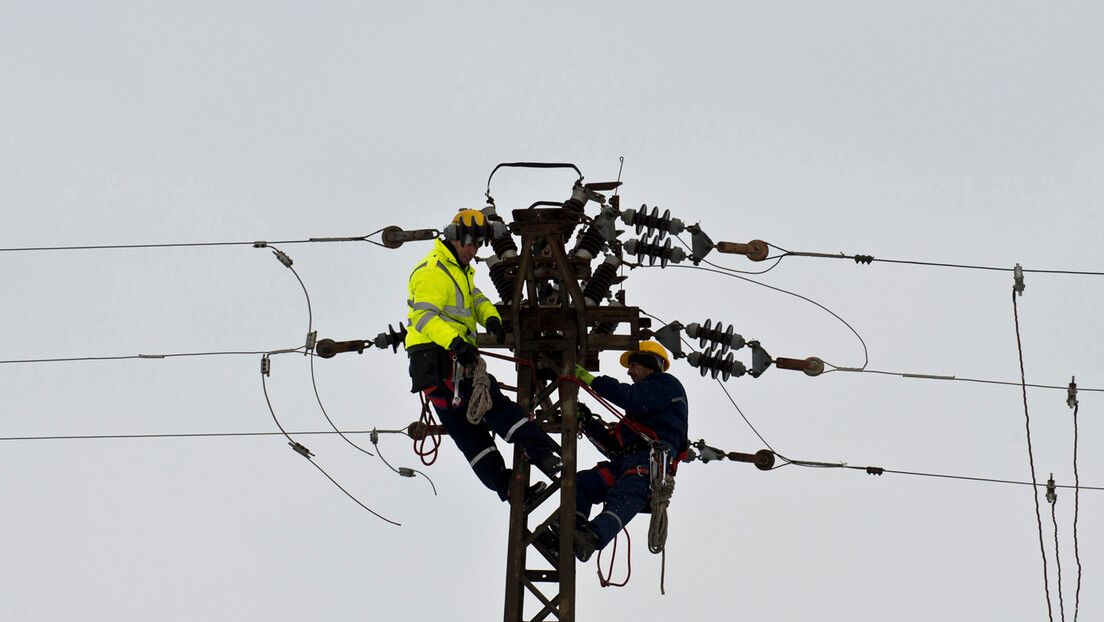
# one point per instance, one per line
(444, 302)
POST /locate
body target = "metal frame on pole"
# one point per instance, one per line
(550, 324)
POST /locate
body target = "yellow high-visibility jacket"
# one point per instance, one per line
(444, 302)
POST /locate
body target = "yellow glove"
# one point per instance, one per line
(582, 374)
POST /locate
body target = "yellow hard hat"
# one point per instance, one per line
(648, 346)
(469, 217)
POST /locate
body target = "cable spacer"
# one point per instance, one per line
(300, 449)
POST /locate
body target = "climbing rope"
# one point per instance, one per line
(662, 490)
(480, 401)
(607, 581)
(430, 435)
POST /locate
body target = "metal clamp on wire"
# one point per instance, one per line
(283, 257)
(300, 449)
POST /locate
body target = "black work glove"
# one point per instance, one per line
(464, 351)
(494, 325)
(583, 415)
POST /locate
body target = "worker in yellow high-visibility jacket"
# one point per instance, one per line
(444, 311)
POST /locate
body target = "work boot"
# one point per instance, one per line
(549, 464)
(549, 539)
(586, 542)
(533, 495)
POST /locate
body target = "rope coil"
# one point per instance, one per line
(480, 401)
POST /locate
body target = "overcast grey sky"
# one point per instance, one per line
(966, 133)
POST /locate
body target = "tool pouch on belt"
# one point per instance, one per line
(428, 367)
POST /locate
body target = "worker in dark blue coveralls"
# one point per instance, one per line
(655, 417)
(444, 310)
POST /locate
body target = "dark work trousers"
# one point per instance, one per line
(622, 484)
(505, 418)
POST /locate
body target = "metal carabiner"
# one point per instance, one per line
(457, 375)
(657, 465)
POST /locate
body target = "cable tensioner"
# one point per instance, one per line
(761, 360)
(394, 237)
(328, 348)
(762, 459)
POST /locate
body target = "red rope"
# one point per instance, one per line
(610, 407)
(432, 434)
(602, 580)
(531, 364)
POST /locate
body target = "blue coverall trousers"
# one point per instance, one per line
(622, 484)
(505, 418)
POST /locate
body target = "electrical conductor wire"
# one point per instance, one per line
(866, 351)
(1030, 454)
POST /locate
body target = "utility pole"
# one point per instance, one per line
(552, 308)
(550, 325)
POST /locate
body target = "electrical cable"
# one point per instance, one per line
(303, 451)
(86, 437)
(866, 351)
(869, 469)
(149, 356)
(956, 378)
(401, 471)
(255, 244)
(870, 258)
(265, 368)
(1076, 512)
(838, 465)
(1058, 561)
(318, 398)
(1030, 455)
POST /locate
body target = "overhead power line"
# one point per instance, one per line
(254, 243)
(85, 437)
(871, 470)
(956, 378)
(124, 357)
(866, 259)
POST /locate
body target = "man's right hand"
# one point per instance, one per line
(464, 351)
(582, 374)
(584, 416)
